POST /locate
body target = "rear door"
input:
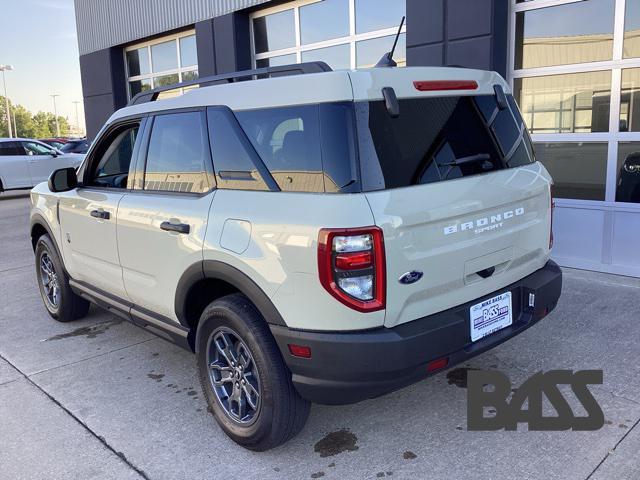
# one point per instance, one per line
(14, 166)
(162, 222)
(458, 196)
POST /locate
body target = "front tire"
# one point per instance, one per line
(60, 301)
(243, 376)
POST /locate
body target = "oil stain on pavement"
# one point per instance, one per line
(88, 332)
(336, 442)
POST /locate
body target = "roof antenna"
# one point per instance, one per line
(387, 59)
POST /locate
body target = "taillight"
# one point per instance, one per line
(432, 85)
(553, 207)
(351, 265)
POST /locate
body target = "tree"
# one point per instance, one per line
(40, 125)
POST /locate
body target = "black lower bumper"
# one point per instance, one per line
(353, 366)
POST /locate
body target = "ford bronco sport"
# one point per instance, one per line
(312, 235)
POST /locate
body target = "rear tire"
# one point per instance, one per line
(231, 328)
(60, 301)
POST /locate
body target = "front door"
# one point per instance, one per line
(88, 214)
(42, 160)
(163, 221)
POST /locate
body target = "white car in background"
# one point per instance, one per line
(25, 163)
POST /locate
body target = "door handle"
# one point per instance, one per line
(100, 214)
(175, 227)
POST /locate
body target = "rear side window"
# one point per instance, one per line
(178, 154)
(439, 138)
(10, 149)
(307, 148)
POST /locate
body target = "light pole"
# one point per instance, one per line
(4, 68)
(76, 102)
(55, 113)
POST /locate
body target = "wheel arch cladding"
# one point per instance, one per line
(205, 282)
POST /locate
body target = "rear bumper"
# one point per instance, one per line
(353, 366)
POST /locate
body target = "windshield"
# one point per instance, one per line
(75, 147)
(439, 138)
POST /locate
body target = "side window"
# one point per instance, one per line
(112, 168)
(33, 148)
(178, 157)
(288, 141)
(232, 158)
(9, 149)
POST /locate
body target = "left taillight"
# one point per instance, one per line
(351, 265)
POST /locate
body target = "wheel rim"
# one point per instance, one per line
(233, 376)
(49, 281)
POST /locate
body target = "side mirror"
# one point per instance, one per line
(63, 180)
(54, 153)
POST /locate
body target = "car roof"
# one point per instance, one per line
(333, 86)
(19, 139)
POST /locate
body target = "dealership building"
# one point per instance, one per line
(574, 66)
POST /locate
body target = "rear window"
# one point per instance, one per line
(307, 148)
(439, 138)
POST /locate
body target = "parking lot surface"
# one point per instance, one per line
(102, 399)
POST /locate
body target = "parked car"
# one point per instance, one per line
(319, 237)
(80, 146)
(54, 142)
(25, 162)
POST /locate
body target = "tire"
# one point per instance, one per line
(279, 413)
(67, 306)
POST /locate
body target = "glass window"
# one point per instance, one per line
(274, 32)
(188, 51)
(629, 99)
(10, 148)
(233, 158)
(573, 33)
(337, 57)
(138, 86)
(189, 75)
(632, 29)
(34, 148)
(378, 14)
(164, 56)
(324, 20)
(276, 61)
(628, 184)
(368, 52)
(165, 80)
(439, 138)
(138, 62)
(178, 153)
(577, 102)
(579, 170)
(288, 141)
(112, 169)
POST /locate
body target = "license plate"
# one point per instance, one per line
(490, 316)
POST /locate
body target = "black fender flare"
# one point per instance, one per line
(38, 219)
(217, 270)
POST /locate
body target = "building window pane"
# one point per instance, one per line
(276, 61)
(138, 62)
(324, 20)
(579, 170)
(165, 80)
(188, 51)
(378, 14)
(138, 86)
(368, 52)
(274, 32)
(628, 186)
(573, 33)
(629, 99)
(632, 29)
(164, 56)
(577, 102)
(190, 75)
(337, 57)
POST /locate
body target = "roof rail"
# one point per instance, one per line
(283, 70)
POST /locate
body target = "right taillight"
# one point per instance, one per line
(351, 266)
(553, 206)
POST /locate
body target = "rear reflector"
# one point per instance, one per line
(438, 364)
(299, 351)
(354, 261)
(432, 85)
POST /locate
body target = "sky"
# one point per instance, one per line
(38, 37)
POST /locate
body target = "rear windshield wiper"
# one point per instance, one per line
(479, 157)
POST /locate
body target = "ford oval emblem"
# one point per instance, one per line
(410, 277)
